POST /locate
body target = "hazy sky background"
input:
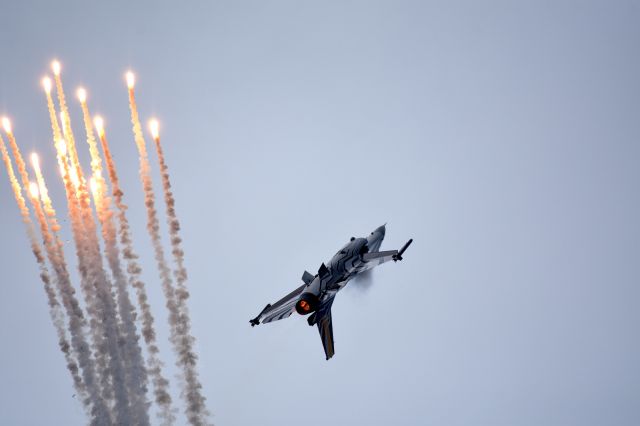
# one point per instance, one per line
(504, 137)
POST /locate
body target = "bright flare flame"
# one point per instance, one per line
(33, 189)
(46, 83)
(6, 124)
(94, 186)
(74, 177)
(35, 161)
(154, 127)
(131, 79)
(62, 147)
(55, 66)
(99, 123)
(82, 95)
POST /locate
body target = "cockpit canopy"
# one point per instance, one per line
(354, 243)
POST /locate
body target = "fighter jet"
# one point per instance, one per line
(315, 296)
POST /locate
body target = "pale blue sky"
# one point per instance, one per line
(504, 137)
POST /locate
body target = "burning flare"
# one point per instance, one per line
(35, 161)
(46, 83)
(131, 79)
(33, 190)
(101, 349)
(82, 95)
(154, 128)
(55, 67)
(6, 124)
(62, 146)
(99, 123)
(94, 187)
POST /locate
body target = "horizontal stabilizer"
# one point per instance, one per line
(307, 277)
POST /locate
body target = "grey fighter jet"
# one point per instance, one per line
(316, 295)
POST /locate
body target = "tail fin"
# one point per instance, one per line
(322, 318)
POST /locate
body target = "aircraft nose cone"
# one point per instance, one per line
(381, 229)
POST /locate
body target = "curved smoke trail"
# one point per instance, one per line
(53, 259)
(77, 229)
(136, 374)
(107, 321)
(77, 321)
(189, 357)
(91, 368)
(160, 383)
(54, 306)
(102, 344)
(180, 334)
(92, 282)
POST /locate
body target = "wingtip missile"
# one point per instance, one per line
(256, 321)
(402, 250)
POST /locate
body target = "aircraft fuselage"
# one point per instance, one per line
(345, 264)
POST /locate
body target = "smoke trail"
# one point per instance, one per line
(78, 235)
(136, 374)
(22, 167)
(94, 370)
(106, 322)
(55, 127)
(180, 338)
(22, 171)
(77, 228)
(53, 259)
(196, 399)
(54, 307)
(66, 123)
(96, 288)
(77, 321)
(160, 383)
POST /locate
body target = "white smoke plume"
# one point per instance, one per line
(179, 325)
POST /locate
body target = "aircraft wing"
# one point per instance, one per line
(378, 257)
(325, 326)
(283, 308)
